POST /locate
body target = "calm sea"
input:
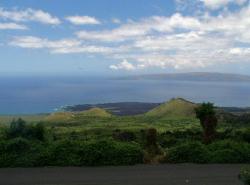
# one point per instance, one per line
(20, 95)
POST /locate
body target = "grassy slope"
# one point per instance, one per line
(73, 117)
(174, 108)
(95, 112)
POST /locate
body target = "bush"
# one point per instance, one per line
(224, 156)
(228, 151)
(108, 152)
(194, 152)
(245, 175)
(246, 135)
(151, 137)
(167, 141)
(20, 152)
(225, 151)
(124, 135)
(62, 153)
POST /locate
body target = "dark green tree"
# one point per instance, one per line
(16, 129)
(207, 116)
(19, 128)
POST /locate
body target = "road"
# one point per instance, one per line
(176, 174)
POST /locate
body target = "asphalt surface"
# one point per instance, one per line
(183, 174)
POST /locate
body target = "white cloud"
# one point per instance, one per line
(12, 26)
(116, 21)
(216, 4)
(177, 41)
(83, 49)
(240, 51)
(36, 42)
(144, 27)
(125, 65)
(29, 15)
(63, 46)
(82, 20)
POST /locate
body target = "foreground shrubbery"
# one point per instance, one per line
(245, 175)
(28, 145)
(225, 151)
(21, 152)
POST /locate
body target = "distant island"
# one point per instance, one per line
(193, 76)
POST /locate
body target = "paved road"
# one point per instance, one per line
(184, 174)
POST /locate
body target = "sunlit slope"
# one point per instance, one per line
(174, 108)
(95, 112)
(60, 116)
(70, 116)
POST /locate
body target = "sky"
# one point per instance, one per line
(118, 37)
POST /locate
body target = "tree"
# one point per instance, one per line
(19, 128)
(207, 116)
(16, 128)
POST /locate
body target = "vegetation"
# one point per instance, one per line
(174, 108)
(245, 176)
(206, 114)
(225, 151)
(71, 117)
(97, 138)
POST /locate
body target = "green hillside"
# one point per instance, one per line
(70, 116)
(174, 108)
(94, 112)
(59, 116)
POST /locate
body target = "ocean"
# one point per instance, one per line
(29, 95)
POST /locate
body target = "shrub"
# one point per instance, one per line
(246, 135)
(228, 151)
(20, 152)
(62, 153)
(194, 152)
(224, 156)
(245, 175)
(167, 141)
(124, 135)
(151, 137)
(108, 152)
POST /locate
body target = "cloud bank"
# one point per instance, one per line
(181, 42)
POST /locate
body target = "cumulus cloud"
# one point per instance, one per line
(116, 21)
(216, 4)
(141, 28)
(12, 26)
(82, 20)
(177, 41)
(36, 42)
(29, 15)
(125, 65)
(63, 46)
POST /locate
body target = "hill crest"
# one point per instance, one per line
(176, 107)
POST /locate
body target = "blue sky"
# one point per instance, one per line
(117, 37)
